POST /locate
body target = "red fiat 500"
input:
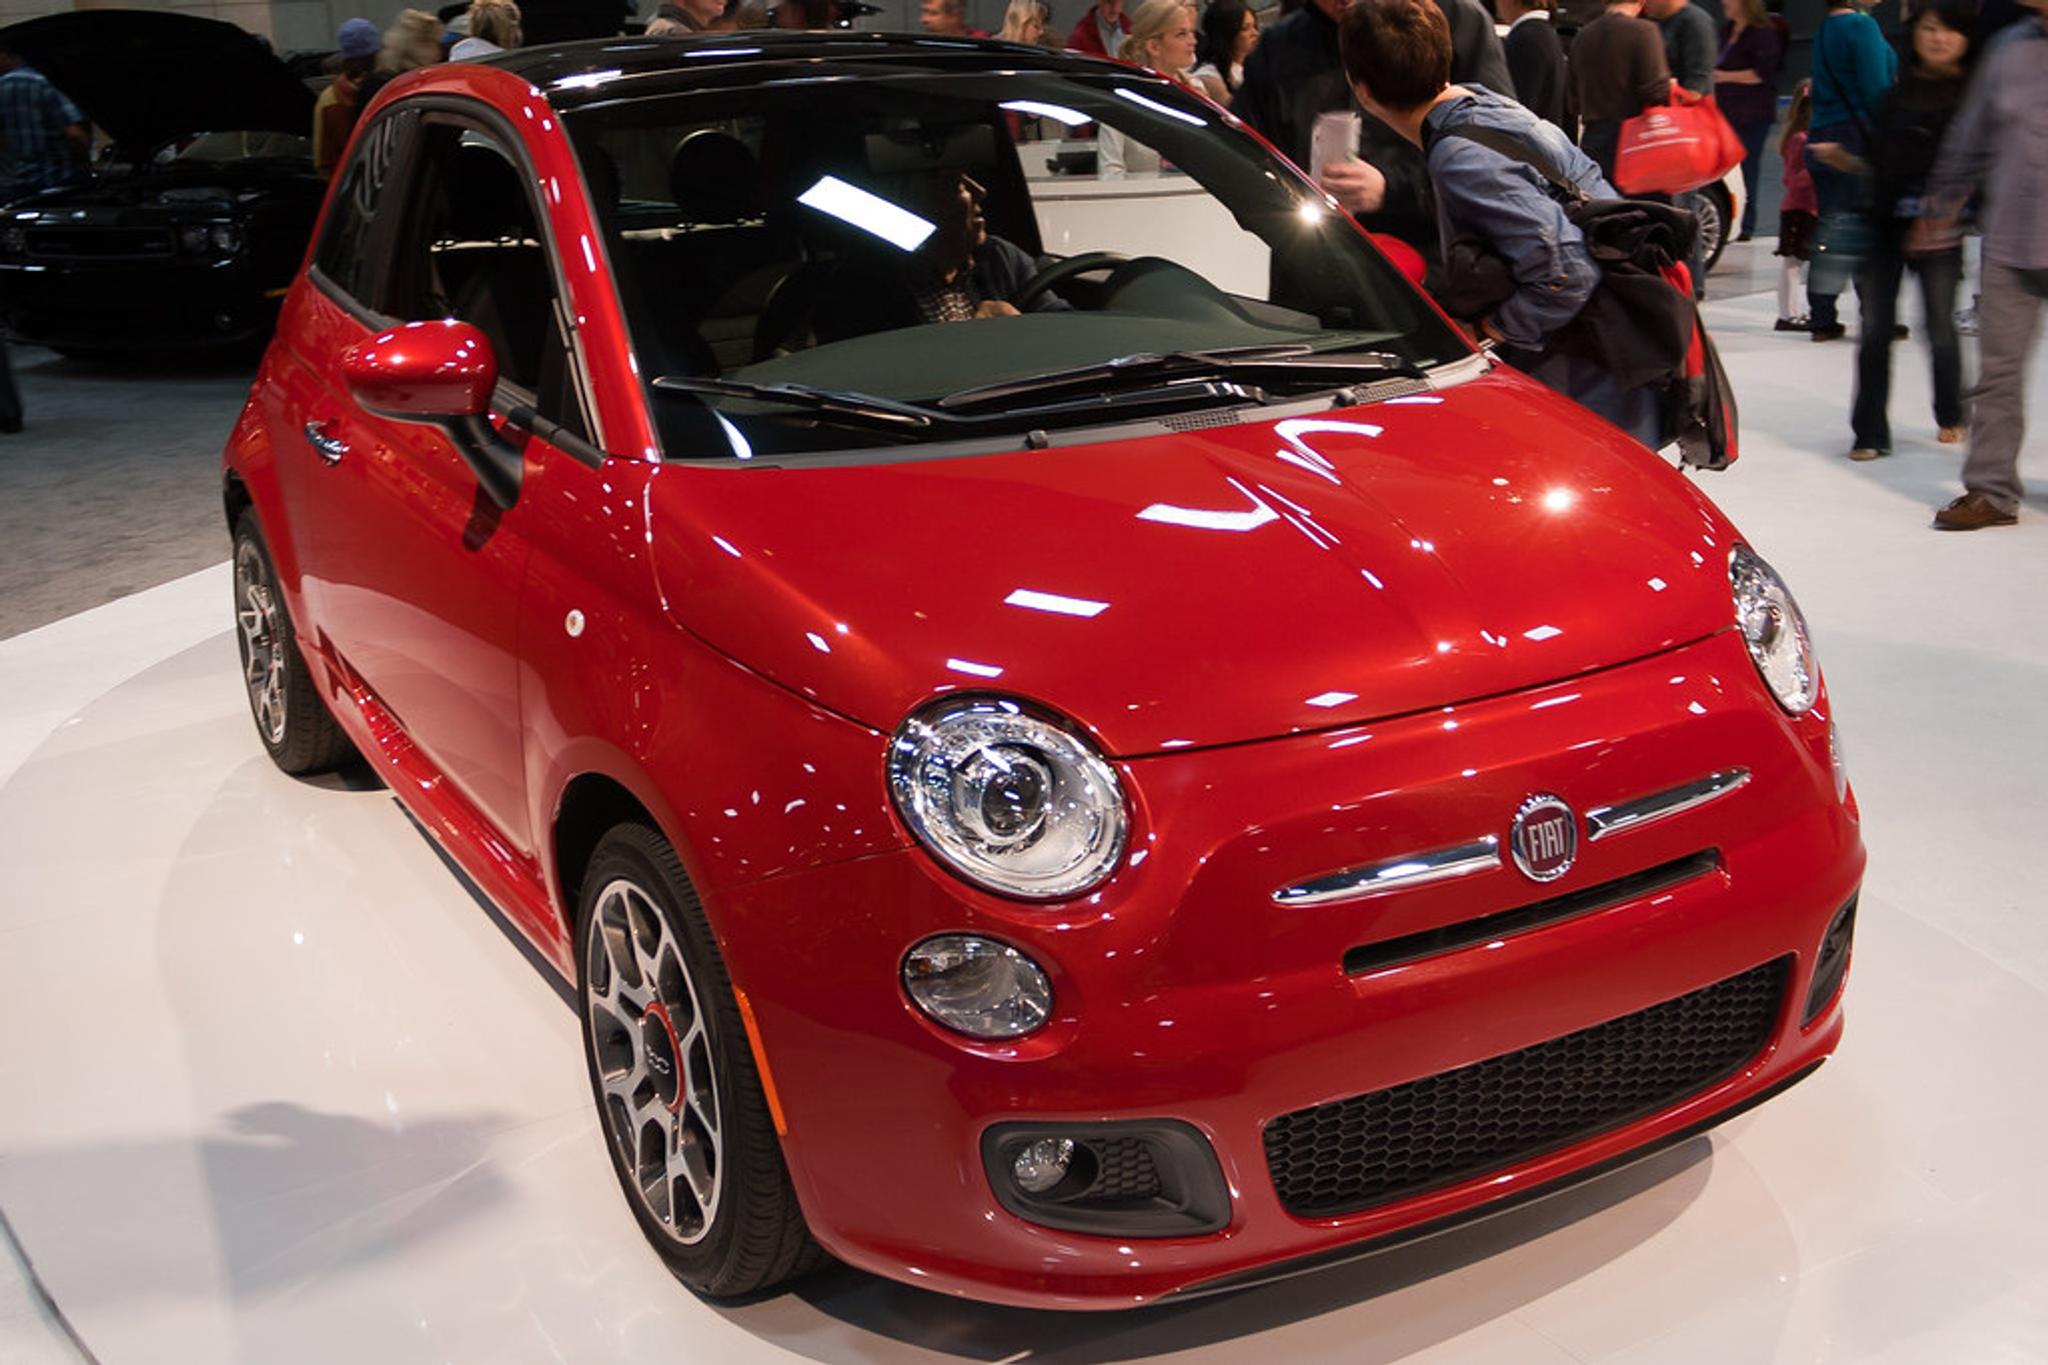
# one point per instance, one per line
(1078, 744)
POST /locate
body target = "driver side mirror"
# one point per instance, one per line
(439, 374)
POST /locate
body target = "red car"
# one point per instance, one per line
(1074, 754)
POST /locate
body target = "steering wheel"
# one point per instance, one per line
(1059, 272)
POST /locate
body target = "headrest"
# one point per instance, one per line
(486, 201)
(714, 178)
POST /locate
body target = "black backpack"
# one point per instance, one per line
(1640, 325)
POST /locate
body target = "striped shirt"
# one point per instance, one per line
(1998, 146)
(33, 117)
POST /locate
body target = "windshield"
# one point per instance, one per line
(904, 259)
(236, 146)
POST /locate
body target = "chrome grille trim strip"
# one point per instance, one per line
(1605, 820)
(1395, 874)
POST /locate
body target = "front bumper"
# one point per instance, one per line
(123, 305)
(1184, 993)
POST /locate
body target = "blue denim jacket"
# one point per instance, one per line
(1482, 194)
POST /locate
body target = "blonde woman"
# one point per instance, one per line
(413, 40)
(1025, 22)
(493, 27)
(1162, 37)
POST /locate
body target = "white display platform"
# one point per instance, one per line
(275, 1088)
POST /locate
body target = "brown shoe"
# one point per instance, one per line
(1953, 436)
(1861, 453)
(1971, 512)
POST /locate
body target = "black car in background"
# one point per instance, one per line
(197, 217)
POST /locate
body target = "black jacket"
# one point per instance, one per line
(1909, 129)
(1536, 61)
(1296, 72)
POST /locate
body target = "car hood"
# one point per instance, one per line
(146, 76)
(1213, 586)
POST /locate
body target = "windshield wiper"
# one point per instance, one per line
(861, 408)
(1288, 360)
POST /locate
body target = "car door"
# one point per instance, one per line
(421, 572)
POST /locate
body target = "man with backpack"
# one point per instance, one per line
(1503, 179)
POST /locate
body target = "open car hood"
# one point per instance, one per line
(1210, 587)
(146, 76)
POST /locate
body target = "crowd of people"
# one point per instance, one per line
(1429, 126)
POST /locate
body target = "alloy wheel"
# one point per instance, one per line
(263, 656)
(653, 1059)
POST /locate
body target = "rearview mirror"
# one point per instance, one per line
(440, 374)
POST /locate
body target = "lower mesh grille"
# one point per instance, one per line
(1389, 1144)
(1123, 1170)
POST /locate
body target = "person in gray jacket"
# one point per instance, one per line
(1998, 146)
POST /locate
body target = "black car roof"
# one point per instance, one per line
(657, 66)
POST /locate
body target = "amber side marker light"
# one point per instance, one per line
(761, 1062)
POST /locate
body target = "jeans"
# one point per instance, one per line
(1752, 135)
(2008, 319)
(10, 397)
(1600, 141)
(1877, 284)
(1635, 411)
(1834, 190)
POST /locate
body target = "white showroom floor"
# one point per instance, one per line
(274, 1087)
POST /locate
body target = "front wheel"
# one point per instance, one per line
(677, 1092)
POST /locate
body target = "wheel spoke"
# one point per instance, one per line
(691, 1158)
(700, 1095)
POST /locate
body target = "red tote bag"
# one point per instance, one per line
(1672, 148)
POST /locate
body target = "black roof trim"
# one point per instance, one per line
(556, 69)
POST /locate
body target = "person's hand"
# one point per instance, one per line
(1928, 235)
(995, 308)
(1681, 95)
(1836, 155)
(1357, 186)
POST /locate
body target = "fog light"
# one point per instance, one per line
(977, 986)
(1043, 1164)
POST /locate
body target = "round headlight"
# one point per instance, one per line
(225, 238)
(977, 986)
(1010, 802)
(1774, 631)
(192, 237)
(13, 241)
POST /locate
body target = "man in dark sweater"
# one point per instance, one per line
(1535, 60)
(1690, 42)
(1618, 69)
(1296, 74)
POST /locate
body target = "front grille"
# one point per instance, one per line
(1390, 1144)
(98, 243)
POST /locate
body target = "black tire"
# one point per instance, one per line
(1716, 229)
(639, 918)
(292, 720)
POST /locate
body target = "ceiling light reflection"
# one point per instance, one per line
(1055, 603)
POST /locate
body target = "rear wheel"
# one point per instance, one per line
(1716, 214)
(293, 722)
(678, 1096)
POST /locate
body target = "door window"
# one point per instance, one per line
(472, 248)
(348, 248)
